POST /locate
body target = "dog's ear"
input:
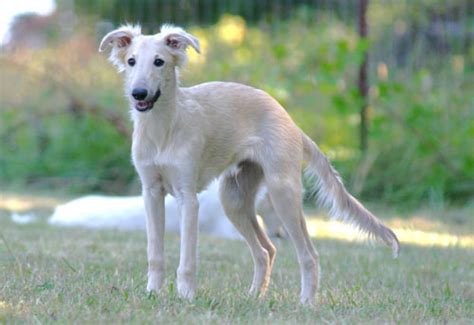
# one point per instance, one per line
(177, 41)
(119, 39)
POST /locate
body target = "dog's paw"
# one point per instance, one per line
(308, 300)
(186, 283)
(186, 290)
(155, 282)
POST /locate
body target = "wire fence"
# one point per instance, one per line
(405, 33)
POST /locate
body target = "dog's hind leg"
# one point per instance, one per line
(237, 193)
(285, 192)
(274, 227)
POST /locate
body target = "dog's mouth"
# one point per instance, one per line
(146, 105)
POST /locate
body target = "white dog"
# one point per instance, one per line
(128, 213)
(184, 138)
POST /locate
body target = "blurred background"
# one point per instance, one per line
(386, 87)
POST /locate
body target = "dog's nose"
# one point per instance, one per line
(139, 93)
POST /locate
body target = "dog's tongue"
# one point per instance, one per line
(142, 104)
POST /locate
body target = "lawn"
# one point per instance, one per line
(75, 275)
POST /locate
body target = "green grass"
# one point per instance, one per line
(50, 274)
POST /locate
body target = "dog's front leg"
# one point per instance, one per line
(189, 207)
(154, 197)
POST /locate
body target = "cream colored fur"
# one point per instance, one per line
(192, 135)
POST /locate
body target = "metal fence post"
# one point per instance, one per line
(363, 83)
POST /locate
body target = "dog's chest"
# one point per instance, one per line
(155, 144)
(173, 164)
(153, 164)
(178, 167)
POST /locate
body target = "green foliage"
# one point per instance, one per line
(153, 13)
(81, 151)
(421, 131)
(56, 127)
(71, 126)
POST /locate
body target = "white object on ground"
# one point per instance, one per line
(128, 213)
(24, 218)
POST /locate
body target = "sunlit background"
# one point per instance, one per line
(10, 9)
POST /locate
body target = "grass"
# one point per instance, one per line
(50, 274)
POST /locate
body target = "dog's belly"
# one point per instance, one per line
(211, 169)
(206, 176)
(174, 180)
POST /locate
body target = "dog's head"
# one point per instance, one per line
(149, 61)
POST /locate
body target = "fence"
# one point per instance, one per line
(403, 31)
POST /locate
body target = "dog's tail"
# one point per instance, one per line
(343, 205)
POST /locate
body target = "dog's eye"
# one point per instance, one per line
(131, 62)
(158, 62)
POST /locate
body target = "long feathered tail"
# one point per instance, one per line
(341, 204)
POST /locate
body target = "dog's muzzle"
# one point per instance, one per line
(146, 105)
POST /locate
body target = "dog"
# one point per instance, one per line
(128, 213)
(183, 138)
